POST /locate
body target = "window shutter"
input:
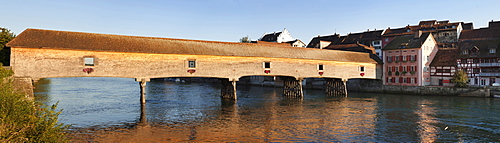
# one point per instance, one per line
(400, 68)
(400, 79)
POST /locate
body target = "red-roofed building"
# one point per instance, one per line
(443, 67)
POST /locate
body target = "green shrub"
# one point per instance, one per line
(24, 120)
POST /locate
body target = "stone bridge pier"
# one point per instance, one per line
(228, 89)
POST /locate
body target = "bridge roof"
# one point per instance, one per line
(38, 38)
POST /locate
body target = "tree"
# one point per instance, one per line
(5, 37)
(460, 79)
(24, 120)
(245, 40)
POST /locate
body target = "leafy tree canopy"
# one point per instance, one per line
(460, 78)
(5, 37)
(245, 40)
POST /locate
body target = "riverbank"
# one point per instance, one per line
(376, 86)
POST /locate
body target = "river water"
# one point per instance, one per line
(109, 110)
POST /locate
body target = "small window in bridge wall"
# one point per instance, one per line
(361, 68)
(192, 64)
(320, 67)
(89, 61)
(267, 65)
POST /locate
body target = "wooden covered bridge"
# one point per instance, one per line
(37, 53)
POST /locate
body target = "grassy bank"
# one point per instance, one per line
(24, 120)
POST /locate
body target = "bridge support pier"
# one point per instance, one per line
(142, 84)
(292, 87)
(336, 87)
(228, 89)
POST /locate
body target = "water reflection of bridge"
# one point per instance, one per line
(46, 54)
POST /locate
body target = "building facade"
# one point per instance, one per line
(443, 67)
(367, 38)
(478, 54)
(407, 59)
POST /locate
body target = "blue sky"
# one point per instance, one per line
(229, 20)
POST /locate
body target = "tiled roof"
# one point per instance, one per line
(467, 26)
(64, 40)
(484, 47)
(271, 37)
(425, 26)
(316, 40)
(352, 47)
(445, 57)
(363, 38)
(478, 34)
(408, 41)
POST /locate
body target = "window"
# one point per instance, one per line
(362, 68)
(412, 57)
(412, 50)
(404, 58)
(192, 64)
(386, 39)
(492, 51)
(404, 80)
(267, 65)
(412, 80)
(89, 61)
(320, 67)
(376, 42)
(465, 52)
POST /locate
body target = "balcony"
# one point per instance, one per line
(489, 74)
(489, 64)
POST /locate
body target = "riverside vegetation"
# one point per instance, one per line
(24, 120)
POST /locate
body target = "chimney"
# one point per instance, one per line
(418, 34)
(494, 24)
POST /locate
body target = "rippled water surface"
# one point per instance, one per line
(195, 112)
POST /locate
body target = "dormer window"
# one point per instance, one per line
(408, 30)
(492, 51)
(465, 52)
